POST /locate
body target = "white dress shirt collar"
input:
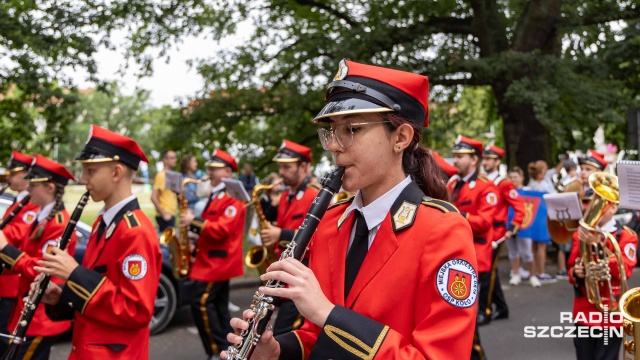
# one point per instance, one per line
(45, 211)
(108, 215)
(217, 188)
(377, 210)
(21, 195)
(493, 175)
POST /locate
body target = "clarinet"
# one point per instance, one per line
(264, 305)
(19, 333)
(14, 212)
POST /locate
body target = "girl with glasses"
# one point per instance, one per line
(392, 272)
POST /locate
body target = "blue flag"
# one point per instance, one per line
(534, 225)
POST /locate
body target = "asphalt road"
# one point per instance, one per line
(502, 339)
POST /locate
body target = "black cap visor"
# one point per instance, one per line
(91, 154)
(286, 155)
(348, 106)
(98, 150)
(39, 174)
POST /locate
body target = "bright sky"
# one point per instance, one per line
(169, 81)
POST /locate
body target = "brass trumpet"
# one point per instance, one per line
(179, 245)
(595, 257)
(260, 256)
(630, 309)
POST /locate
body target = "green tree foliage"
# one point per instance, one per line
(548, 64)
(41, 40)
(130, 115)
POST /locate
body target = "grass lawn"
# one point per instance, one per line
(73, 193)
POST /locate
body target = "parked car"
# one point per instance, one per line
(171, 292)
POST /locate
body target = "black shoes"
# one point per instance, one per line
(482, 319)
(499, 314)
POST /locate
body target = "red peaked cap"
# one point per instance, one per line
(221, 159)
(360, 88)
(104, 145)
(492, 151)
(20, 161)
(449, 169)
(465, 145)
(44, 169)
(292, 152)
(595, 159)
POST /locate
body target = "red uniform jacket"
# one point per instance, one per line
(507, 196)
(413, 298)
(292, 210)
(477, 201)
(219, 249)
(113, 292)
(25, 260)
(16, 231)
(628, 242)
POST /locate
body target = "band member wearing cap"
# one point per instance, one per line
(379, 282)
(112, 293)
(476, 198)
(594, 161)
(15, 231)
(47, 180)
(294, 162)
(507, 196)
(449, 170)
(584, 313)
(218, 255)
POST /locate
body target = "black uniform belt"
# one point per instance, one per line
(499, 223)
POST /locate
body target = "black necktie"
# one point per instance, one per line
(456, 191)
(357, 252)
(101, 228)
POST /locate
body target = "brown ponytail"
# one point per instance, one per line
(418, 162)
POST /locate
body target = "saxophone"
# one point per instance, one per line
(264, 305)
(26, 316)
(179, 245)
(260, 256)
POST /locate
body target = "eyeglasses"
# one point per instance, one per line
(343, 133)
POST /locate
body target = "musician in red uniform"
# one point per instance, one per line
(112, 293)
(592, 162)
(596, 348)
(476, 198)
(15, 230)
(507, 196)
(47, 180)
(294, 162)
(218, 255)
(379, 283)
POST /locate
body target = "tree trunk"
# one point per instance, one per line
(525, 138)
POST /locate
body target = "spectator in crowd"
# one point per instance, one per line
(519, 247)
(189, 169)
(538, 178)
(163, 199)
(539, 182)
(248, 178)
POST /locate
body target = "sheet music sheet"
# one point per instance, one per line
(564, 206)
(173, 181)
(629, 184)
(236, 189)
